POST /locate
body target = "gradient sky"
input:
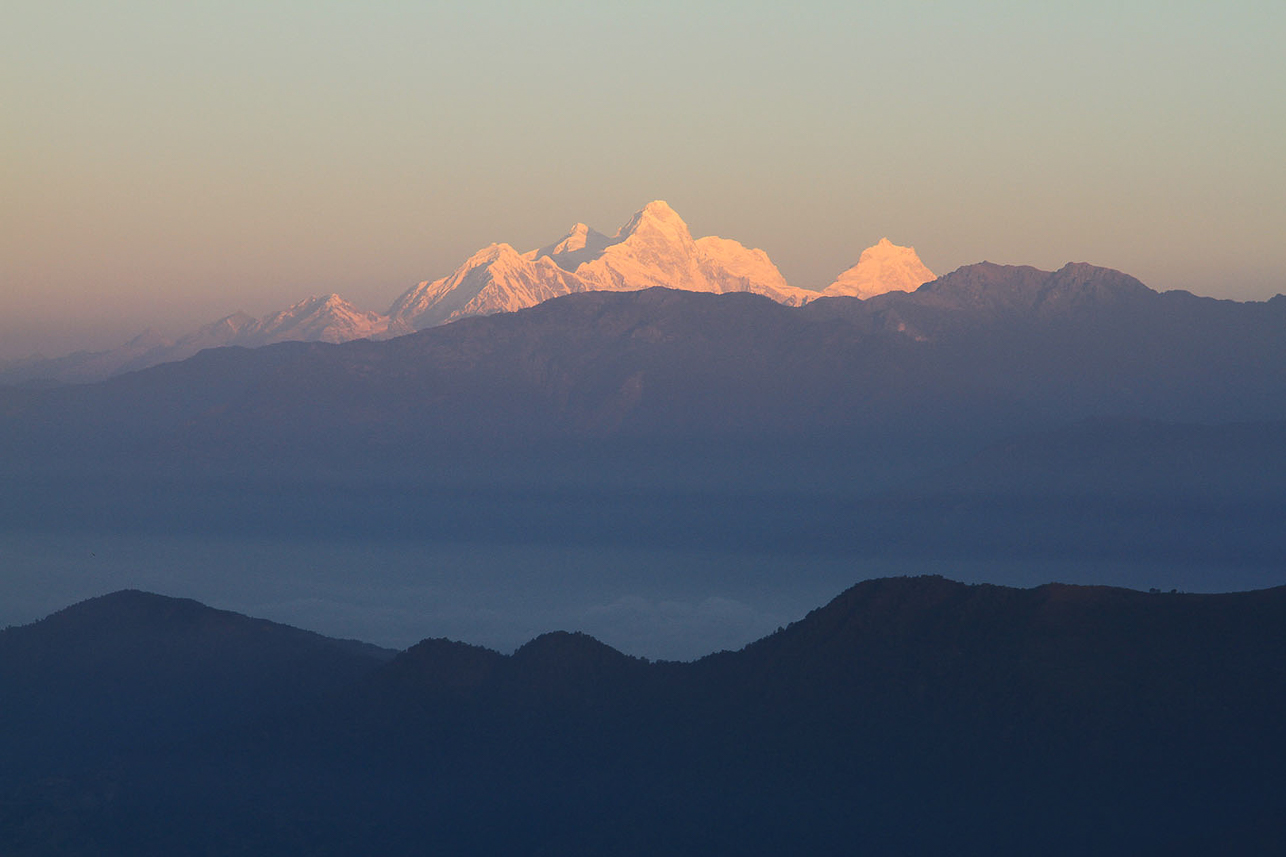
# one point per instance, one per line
(164, 164)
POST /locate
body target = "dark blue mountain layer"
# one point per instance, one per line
(133, 671)
(997, 412)
(984, 352)
(910, 715)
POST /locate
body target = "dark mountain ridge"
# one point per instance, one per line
(906, 716)
(134, 670)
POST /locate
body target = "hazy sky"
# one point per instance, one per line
(164, 164)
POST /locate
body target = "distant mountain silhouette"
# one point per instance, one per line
(986, 350)
(910, 715)
(997, 413)
(326, 318)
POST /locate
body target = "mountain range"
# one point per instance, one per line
(986, 351)
(654, 249)
(991, 417)
(996, 413)
(907, 716)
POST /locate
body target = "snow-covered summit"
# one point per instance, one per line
(579, 245)
(655, 248)
(885, 267)
(325, 318)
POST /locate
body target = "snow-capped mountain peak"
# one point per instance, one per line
(320, 318)
(578, 246)
(654, 248)
(884, 267)
(655, 217)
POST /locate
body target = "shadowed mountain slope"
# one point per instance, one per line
(134, 672)
(607, 363)
(994, 413)
(984, 352)
(910, 715)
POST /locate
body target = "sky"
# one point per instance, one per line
(165, 164)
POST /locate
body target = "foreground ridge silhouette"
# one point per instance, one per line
(908, 715)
